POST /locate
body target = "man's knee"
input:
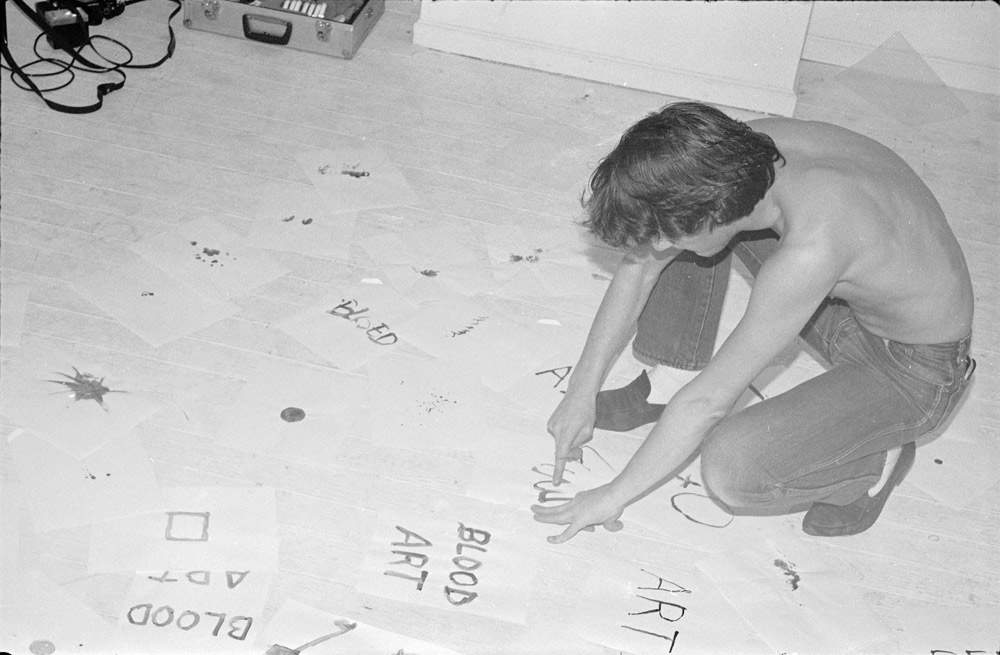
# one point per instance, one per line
(733, 475)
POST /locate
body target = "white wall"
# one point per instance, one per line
(960, 41)
(732, 53)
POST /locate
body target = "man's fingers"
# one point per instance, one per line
(550, 514)
(557, 472)
(565, 535)
(614, 525)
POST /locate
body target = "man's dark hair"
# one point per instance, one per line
(677, 170)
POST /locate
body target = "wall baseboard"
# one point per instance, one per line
(601, 68)
(956, 74)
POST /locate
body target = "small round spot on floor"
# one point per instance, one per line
(292, 414)
(42, 647)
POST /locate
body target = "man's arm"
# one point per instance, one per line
(789, 288)
(572, 423)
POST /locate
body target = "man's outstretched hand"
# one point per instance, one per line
(586, 510)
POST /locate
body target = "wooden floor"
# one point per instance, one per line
(482, 144)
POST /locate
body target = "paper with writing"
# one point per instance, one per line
(660, 605)
(192, 611)
(351, 326)
(456, 555)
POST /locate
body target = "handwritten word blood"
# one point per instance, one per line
(663, 610)
(468, 328)
(468, 539)
(378, 334)
(164, 615)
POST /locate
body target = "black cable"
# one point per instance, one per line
(24, 79)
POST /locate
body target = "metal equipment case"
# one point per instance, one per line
(334, 27)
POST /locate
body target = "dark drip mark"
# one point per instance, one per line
(86, 387)
(428, 272)
(90, 476)
(352, 170)
(211, 256)
(324, 169)
(788, 568)
(292, 414)
(289, 219)
(526, 258)
(307, 221)
(145, 294)
(938, 461)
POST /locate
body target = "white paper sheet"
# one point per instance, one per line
(295, 218)
(200, 528)
(286, 404)
(298, 628)
(210, 258)
(76, 403)
(457, 555)
(352, 326)
(794, 606)
(148, 301)
(431, 248)
(200, 611)
(114, 481)
(419, 405)
(356, 177)
(919, 627)
(470, 334)
(896, 79)
(661, 605)
(13, 304)
(39, 616)
(955, 472)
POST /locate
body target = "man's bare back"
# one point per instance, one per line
(904, 273)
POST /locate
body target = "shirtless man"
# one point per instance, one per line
(849, 250)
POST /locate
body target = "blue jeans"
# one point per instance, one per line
(824, 440)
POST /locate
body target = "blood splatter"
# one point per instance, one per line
(292, 414)
(289, 219)
(788, 568)
(938, 461)
(307, 221)
(429, 272)
(86, 387)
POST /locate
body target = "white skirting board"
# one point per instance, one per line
(730, 54)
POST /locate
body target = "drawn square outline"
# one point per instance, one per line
(203, 528)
